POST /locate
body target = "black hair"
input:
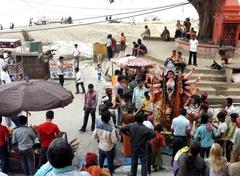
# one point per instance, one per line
(139, 41)
(146, 94)
(0, 119)
(183, 112)
(204, 118)
(159, 127)
(229, 100)
(76, 69)
(122, 33)
(139, 81)
(49, 115)
(117, 72)
(60, 153)
(90, 86)
(174, 51)
(75, 44)
(105, 116)
(22, 120)
(234, 116)
(179, 52)
(194, 151)
(61, 58)
(139, 117)
(221, 115)
(146, 26)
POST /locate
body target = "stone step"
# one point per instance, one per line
(209, 77)
(201, 69)
(213, 99)
(219, 85)
(229, 92)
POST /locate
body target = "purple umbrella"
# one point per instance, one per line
(34, 95)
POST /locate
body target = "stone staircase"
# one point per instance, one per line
(212, 81)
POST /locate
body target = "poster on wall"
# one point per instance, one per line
(68, 69)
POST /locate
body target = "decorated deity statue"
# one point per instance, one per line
(170, 92)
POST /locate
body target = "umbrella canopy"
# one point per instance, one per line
(36, 95)
(131, 61)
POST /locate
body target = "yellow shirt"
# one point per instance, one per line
(146, 105)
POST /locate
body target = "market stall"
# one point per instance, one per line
(15, 66)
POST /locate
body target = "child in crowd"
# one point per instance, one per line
(99, 71)
(79, 81)
(157, 142)
(92, 167)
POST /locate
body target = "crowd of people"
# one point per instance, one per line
(202, 143)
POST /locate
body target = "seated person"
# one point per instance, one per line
(180, 62)
(169, 63)
(142, 49)
(92, 166)
(135, 49)
(165, 34)
(146, 33)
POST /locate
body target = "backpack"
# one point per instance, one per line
(114, 43)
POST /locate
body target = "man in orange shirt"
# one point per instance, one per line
(47, 132)
(4, 135)
(122, 41)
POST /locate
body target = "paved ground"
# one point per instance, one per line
(70, 119)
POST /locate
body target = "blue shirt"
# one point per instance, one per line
(180, 125)
(48, 170)
(138, 96)
(206, 137)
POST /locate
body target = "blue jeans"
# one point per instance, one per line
(27, 161)
(110, 157)
(4, 159)
(143, 159)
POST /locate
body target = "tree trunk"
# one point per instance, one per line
(206, 11)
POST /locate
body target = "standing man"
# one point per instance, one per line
(109, 46)
(60, 70)
(23, 137)
(47, 132)
(90, 105)
(4, 136)
(193, 44)
(79, 81)
(138, 94)
(180, 129)
(76, 54)
(139, 136)
(106, 134)
(5, 78)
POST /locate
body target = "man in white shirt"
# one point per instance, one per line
(79, 81)
(76, 54)
(5, 78)
(193, 44)
(60, 70)
(229, 106)
(222, 127)
(181, 129)
(109, 46)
